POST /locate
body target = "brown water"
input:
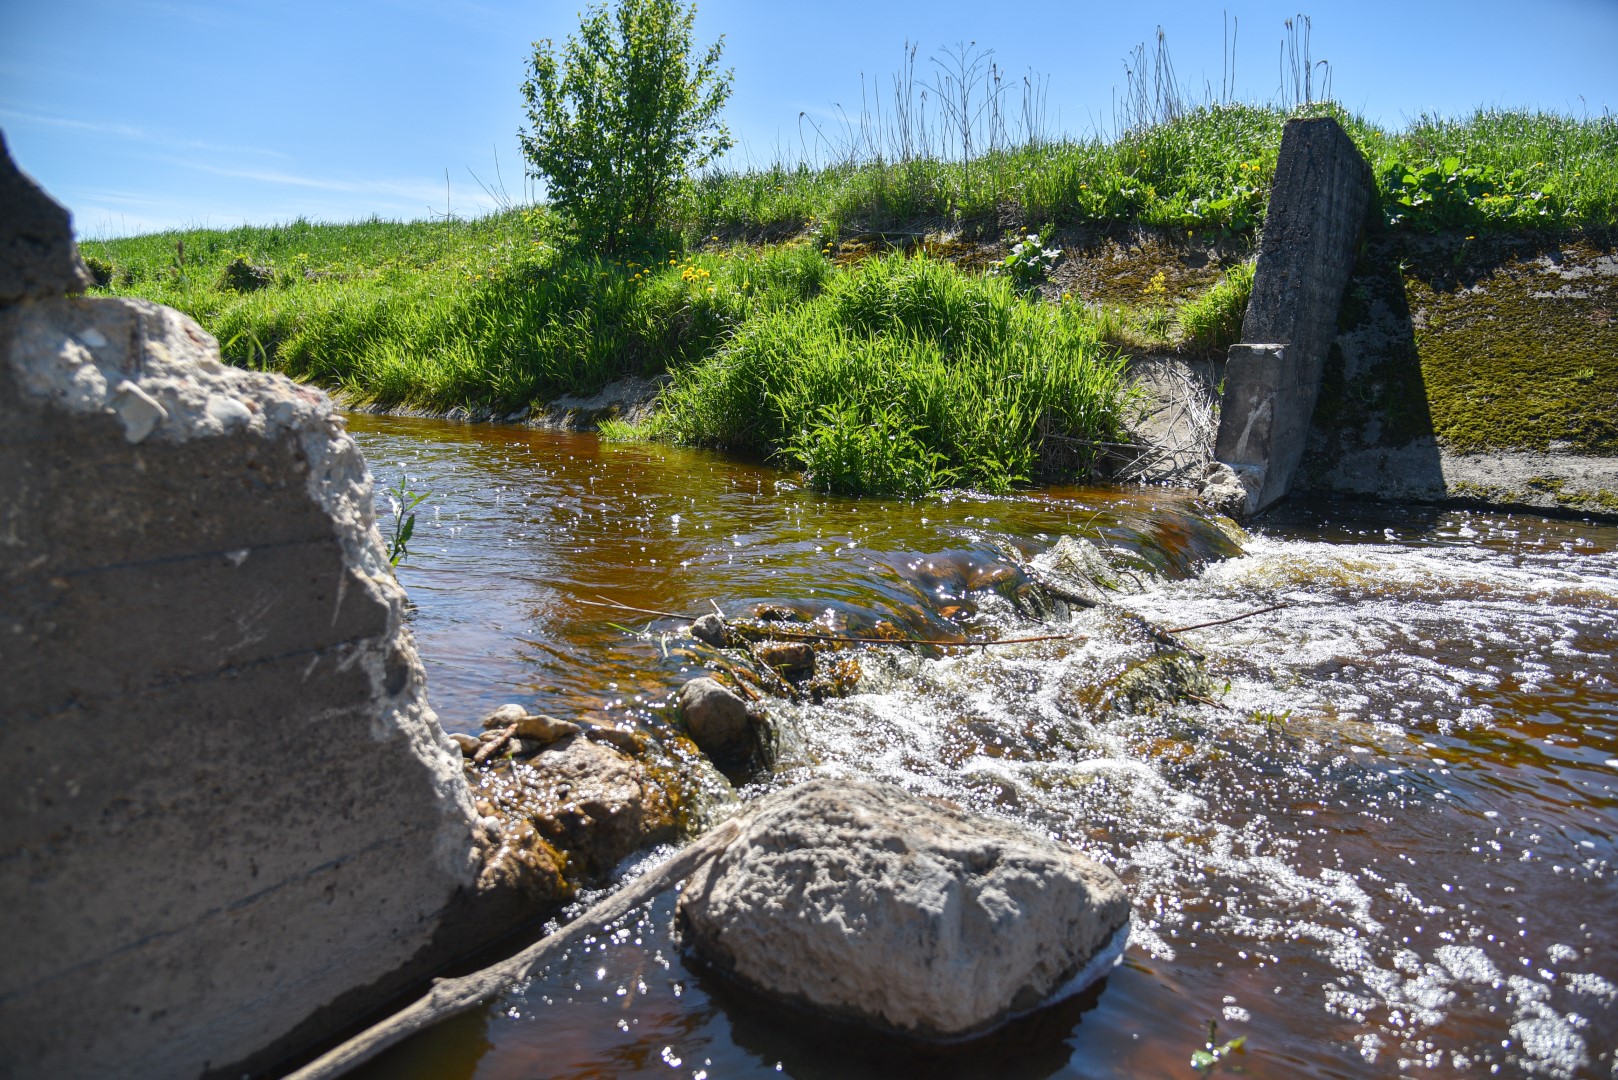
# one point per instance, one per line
(1385, 843)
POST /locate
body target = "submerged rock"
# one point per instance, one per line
(717, 719)
(861, 900)
(711, 630)
(786, 656)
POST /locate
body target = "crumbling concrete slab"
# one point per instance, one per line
(1317, 208)
(225, 805)
(37, 255)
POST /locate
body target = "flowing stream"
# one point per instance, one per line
(1373, 831)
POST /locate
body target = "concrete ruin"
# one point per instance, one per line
(1317, 209)
(229, 822)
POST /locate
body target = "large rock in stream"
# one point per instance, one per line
(230, 823)
(861, 900)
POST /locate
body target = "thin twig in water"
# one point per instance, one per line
(742, 684)
(1221, 622)
(451, 996)
(834, 638)
(604, 602)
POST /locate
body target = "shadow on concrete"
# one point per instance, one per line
(1372, 429)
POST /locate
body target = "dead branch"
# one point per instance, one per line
(1222, 622)
(451, 996)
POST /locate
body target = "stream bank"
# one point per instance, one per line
(1467, 369)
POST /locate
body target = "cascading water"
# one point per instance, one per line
(1372, 831)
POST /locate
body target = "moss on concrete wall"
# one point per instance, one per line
(1482, 369)
(1517, 338)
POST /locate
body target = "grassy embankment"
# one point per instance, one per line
(877, 376)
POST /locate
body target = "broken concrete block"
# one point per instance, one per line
(273, 828)
(38, 258)
(1317, 209)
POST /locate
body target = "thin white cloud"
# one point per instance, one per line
(133, 133)
(118, 198)
(417, 192)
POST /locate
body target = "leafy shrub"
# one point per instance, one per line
(1448, 194)
(904, 374)
(1030, 261)
(241, 275)
(1212, 322)
(101, 271)
(620, 117)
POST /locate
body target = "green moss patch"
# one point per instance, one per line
(1517, 340)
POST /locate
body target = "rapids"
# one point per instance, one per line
(1373, 831)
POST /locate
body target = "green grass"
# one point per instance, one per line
(893, 376)
(1210, 170)
(1212, 323)
(482, 314)
(902, 376)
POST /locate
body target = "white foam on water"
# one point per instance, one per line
(1387, 646)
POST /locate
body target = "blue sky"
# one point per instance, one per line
(142, 114)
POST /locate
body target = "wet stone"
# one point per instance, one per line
(569, 815)
(710, 629)
(620, 738)
(786, 656)
(903, 914)
(503, 716)
(545, 729)
(718, 720)
(534, 727)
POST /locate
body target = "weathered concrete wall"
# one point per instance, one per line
(1317, 208)
(224, 802)
(1480, 368)
(1466, 366)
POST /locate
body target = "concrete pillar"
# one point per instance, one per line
(1311, 230)
(226, 809)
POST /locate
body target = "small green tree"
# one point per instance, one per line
(621, 116)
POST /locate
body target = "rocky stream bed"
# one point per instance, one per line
(1371, 830)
